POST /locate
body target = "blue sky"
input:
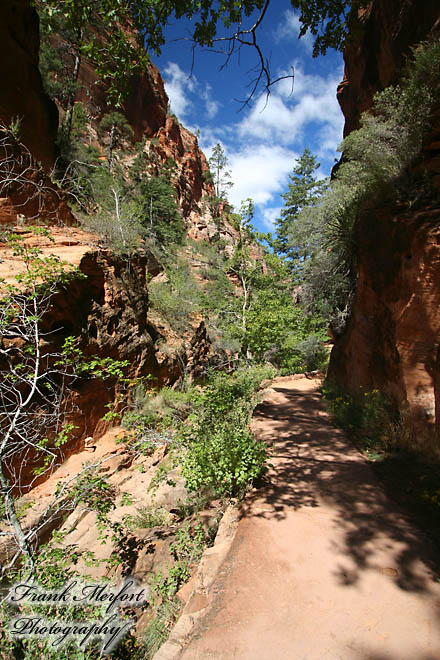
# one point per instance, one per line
(263, 140)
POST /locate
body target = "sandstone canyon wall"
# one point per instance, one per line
(392, 340)
(109, 311)
(22, 95)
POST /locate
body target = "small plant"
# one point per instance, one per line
(147, 517)
(126, 499)
(160, 627)
(368, 416)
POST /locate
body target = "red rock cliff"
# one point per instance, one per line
(392, 341)
(22, 93)
(146, 109)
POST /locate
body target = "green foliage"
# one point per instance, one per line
(147, 517)
(167, 408)
(94, 490)
(367, 415)
(157, 209)
(304, 191)
(115, 121)
(226, 459)
(331, 22)
(375, 166)
(116, 218)
(189, 543)
(56, 65)
(274, 316)
(177, 299)
(114, 124)
(78, 160)
(95, 31)
(222, 455)
(296, 356)
(159, 629)
(127, 207)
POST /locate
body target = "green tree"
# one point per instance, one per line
(158, 212)
(118, 128)
(220, 176)
(304, 191)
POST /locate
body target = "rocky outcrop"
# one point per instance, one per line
(374, 59)
(109, 312)
(393, 336)
(166, 140)
(22, 95)
(24, 103)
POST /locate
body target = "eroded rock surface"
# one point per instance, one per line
(393, 336)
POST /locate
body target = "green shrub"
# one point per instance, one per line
(367, 415)
(168, 407)
(306, 355)
(223, 456)
(225, 459)
(158, 212)
(375, 166)
(147, 517)
(177, 299)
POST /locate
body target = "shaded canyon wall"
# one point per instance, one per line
(392, 341)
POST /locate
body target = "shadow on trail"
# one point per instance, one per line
(367, 654)
(315, 463)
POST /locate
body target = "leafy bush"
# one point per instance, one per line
(299, 357)
(367, 415)
(222, 455)
(225, 459)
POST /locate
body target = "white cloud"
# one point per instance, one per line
(183, 89)
(259, 171)
(312, 107)
(290, 27)
(267, 121)
(178, 86)
(269, 216)
(211, 105)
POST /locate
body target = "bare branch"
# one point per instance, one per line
(233, 45)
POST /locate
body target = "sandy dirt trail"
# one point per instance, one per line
(323, 565)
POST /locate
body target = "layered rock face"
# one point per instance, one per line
(22, 95)
(109, 311)
(146, 109)
(374, 60)
(392, 341)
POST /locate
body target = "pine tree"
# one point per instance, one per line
(220, 176)
(303, 191)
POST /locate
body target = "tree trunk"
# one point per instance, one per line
(72, 94)
(110, 147)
